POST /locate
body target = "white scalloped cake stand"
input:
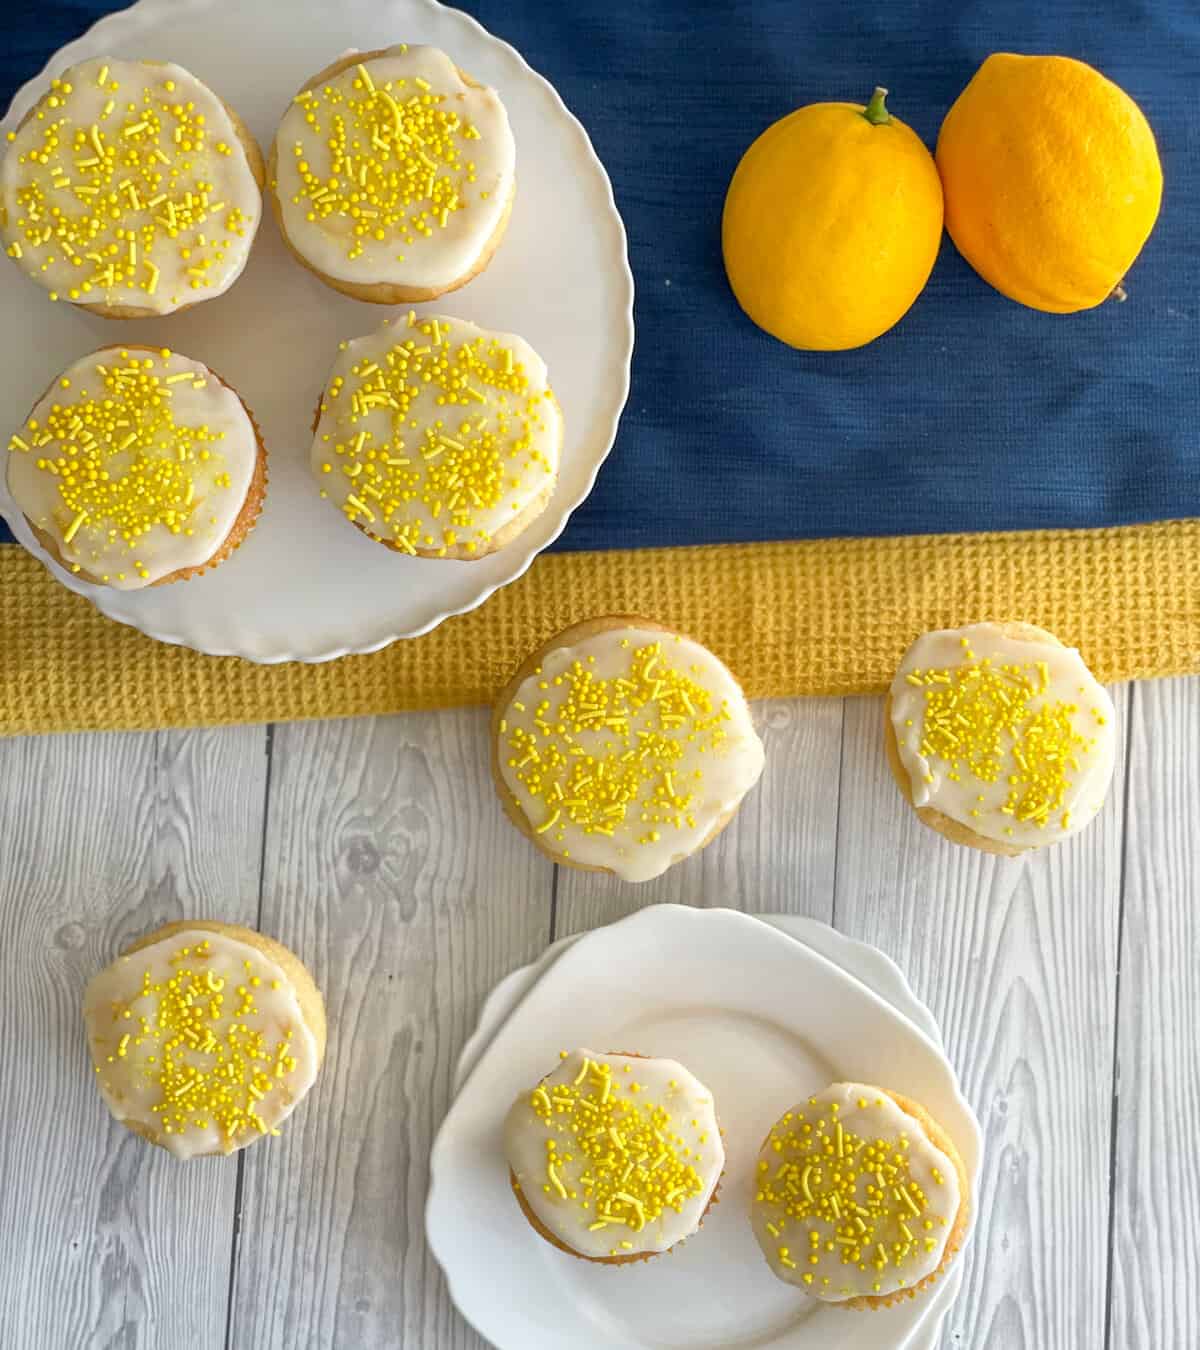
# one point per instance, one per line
(864, 963)
(307, 586)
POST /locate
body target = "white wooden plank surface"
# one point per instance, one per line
(1156, 1201)
(1017, 960)
(109, 1241)
(388, 865)
(392, 872)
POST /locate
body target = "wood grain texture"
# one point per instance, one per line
(103, 837)
(1017, 960)
(390, 868)
(392, 872)
(776, 856)
(1155, 1288)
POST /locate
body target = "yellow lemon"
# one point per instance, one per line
(832, 223)
(1052, 180)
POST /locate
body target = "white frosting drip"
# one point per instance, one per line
(691, 1123)
(216, 228)
(709, 774)
(214, 507)
(979, 804)
(422, 505)
(789, 1248)
(405, 256)
(128, 1081)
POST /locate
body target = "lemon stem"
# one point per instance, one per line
(875, 112)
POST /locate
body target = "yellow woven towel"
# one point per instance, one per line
(823, 617)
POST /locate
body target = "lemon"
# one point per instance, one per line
(832, 223)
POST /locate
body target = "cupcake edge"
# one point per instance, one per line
(962, 1219)
(511, 530)
(380, 292)
(308, 996)
(258, 171)
(542, 1231)
(243, 523)
(954, 830)
(957, 1235)
(565, 637)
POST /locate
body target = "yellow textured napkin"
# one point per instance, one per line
(825, 617)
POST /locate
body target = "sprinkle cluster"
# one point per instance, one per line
(397, 160)
(430, 479)
(993, 723)
(854, 1196)
(604, 755)
(122, 462)
(116, 196)
(633, 1164)
(211, 1068)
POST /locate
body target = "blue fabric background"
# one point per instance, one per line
(974, 413)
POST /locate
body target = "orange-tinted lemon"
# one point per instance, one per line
(1052, 180)
(832, 223)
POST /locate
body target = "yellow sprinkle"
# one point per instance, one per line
(73, 529)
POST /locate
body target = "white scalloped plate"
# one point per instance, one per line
(867, 964)
(307, 586)
(769, 1006)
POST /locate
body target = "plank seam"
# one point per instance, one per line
(235, 1237)
(837, 818)
(1116, 1091)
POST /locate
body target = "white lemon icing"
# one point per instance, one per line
(1014, 739)
(851, 1196)
(616, 1155)
(436, 436)
(200, 1039)
(395, 170)
(136, 463)
(128, 186)
(626, 748)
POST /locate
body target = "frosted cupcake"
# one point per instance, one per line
(130, 190)
(861, 1198)
(438, 438)
(615, 1158)
(392, 175)
(204, 1036)
(622, 747)
(1000, 736)
(138, 467)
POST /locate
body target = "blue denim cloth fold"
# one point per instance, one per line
(973, 413)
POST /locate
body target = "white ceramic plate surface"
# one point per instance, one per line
(867, 964)
(307, 586)
(743, 1005)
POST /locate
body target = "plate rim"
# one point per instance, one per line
(785, 923)
(109, 27)
(701, 915)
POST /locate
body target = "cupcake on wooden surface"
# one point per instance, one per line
(615, 1158)
(1000, 736)
(620, 746)
(138, 467)
(205, 1036)
(438, 438)
(393, 174)
(130, 190)
(861, 1198)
